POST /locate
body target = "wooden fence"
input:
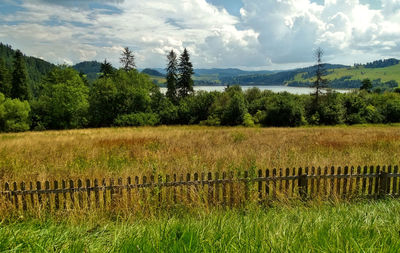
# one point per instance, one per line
(227, 189)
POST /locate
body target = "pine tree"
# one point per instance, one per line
(106, 69)
(19, 87)
(172, 76)
(185, 82)
(127, 59)
(5, 84)
(320, 83)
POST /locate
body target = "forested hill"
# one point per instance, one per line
(90, 68)
(279, 78)
(382, 73)
(36, 67)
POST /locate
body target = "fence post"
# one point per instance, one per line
(303, 186)
(56, 197)
(23, 196)
(383, 183)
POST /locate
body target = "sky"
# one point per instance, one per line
(246, 34)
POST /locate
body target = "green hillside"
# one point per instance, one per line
(35, 67)
(351, 77)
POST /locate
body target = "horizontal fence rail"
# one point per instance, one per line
(226, 188)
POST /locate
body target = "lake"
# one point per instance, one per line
(293, 90)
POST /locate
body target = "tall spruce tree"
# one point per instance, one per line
(5, 84)
(106, 69)
(19, 87)
(128, 59)
(320, 82)
(172, 77)
(185, 81)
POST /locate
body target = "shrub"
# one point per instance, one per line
(14, 115)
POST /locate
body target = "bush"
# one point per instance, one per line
(283, 110)
(14, 115)
(137, 119)
(392, 112)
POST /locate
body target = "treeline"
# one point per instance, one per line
(379, 63)
(345, 82)
(125, 97)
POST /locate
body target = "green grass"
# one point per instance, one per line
(344, 227)
(361, 73)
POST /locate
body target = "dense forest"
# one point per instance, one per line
(35, 95)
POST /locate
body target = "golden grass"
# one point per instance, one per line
(97, 153)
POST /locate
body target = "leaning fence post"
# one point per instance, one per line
(303, 186)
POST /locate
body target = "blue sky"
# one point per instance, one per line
(247, 34)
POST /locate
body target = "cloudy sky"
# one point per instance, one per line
(248, 34)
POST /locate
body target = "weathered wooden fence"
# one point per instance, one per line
(227, 189)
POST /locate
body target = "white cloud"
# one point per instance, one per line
(268, 33)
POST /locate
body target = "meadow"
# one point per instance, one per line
(180, 149)
(278, 226)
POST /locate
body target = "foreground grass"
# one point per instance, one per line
(362, 227)
(122, 152)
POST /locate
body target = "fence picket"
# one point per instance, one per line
(223, 188)
(260, 186)
(188, 187)
(377, 179)
(32, 196)
(231, 195)
(56, 197)
(216, 192)
(47, 194)
(312, 190)
(389, 185)
(345, 182)
(64, 187)
(15, 196)
(274, 183)
(318, 180)
(364, 182)
(88, 198)
(358, 174)
(395, 193)
(80, 197)
(210, 189)
(71, 193)
(287, 173)
(23, 196)
(96, 193)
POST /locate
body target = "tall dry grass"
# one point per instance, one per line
(97, 153)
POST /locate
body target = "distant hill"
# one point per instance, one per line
(90, 68)
(228, 72)
(272, 78)
(36, 67)
(152, 72)
(382, 73)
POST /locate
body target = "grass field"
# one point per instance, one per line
(281, 227)
(137, 151)
(356, 227)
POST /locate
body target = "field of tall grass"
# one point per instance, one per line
(98, 153)
(340, 227)
(280, 226)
